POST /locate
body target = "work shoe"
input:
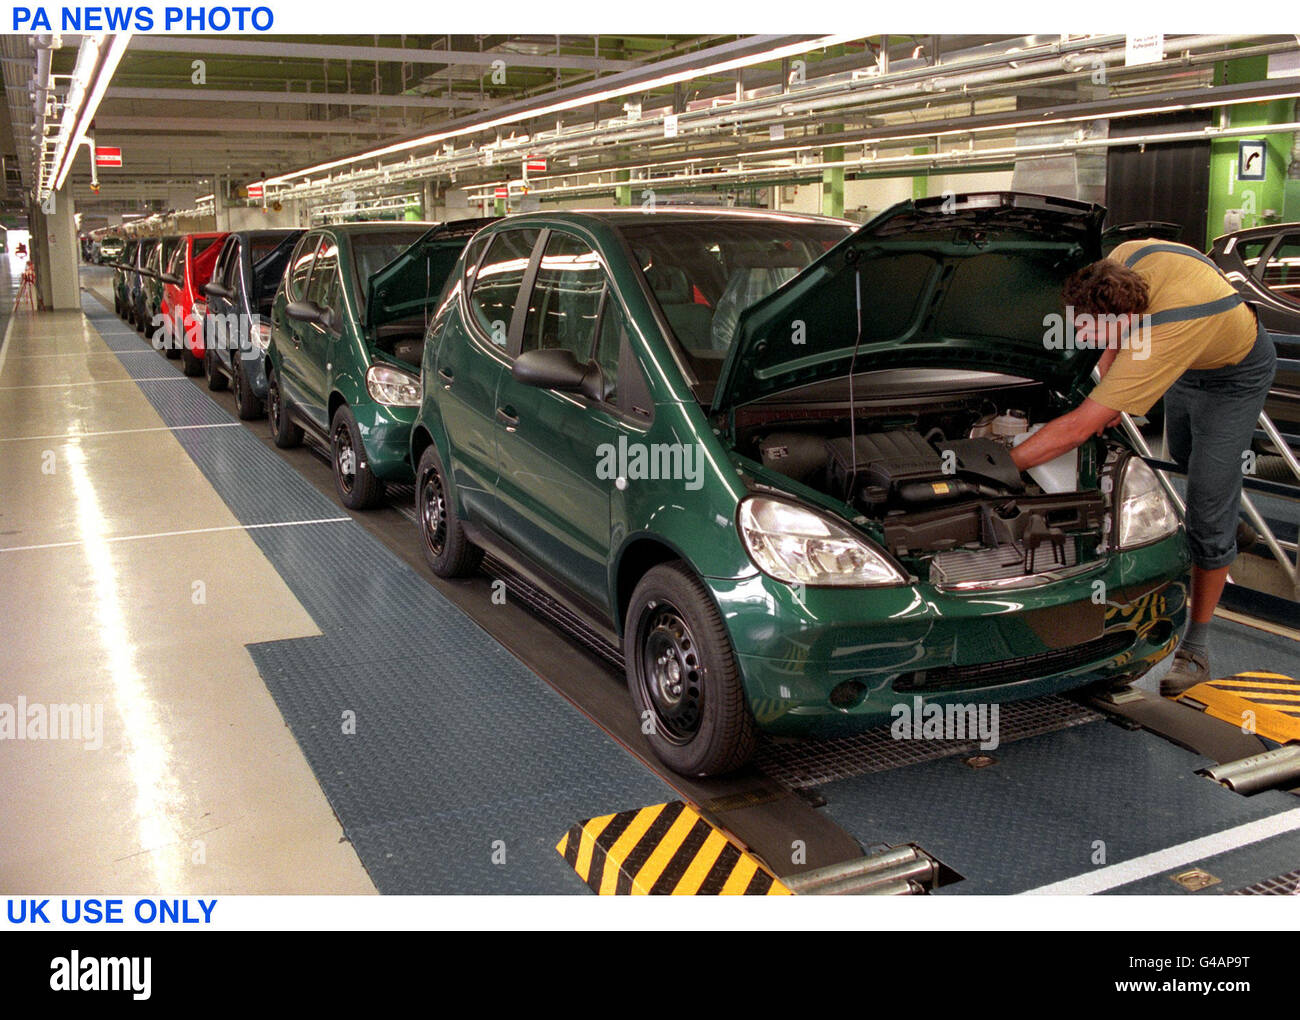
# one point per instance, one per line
(1189, 669)
(1247, 537)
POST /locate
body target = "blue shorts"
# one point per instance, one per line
(1210, 420)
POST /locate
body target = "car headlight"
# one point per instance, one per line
(393, 387)
(799, 546)
(1144, 511)
(261, 334)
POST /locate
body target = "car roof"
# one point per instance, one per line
(682, 214)
(1267, 230)
(372, 226)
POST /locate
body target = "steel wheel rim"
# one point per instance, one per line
(672, 675)
(273, 404)
(433, 514)
(342, 447)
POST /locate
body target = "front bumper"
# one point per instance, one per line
(828, 661)
(386, 434)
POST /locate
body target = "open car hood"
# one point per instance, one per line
(405, 287)
(960, 281)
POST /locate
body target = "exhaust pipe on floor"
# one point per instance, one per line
(1266, 771)
(898, 871)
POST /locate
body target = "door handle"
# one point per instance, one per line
(506, 418)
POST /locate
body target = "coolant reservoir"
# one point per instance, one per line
(1010, 424)
(1059, 475)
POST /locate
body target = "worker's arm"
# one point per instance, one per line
(1060, 435)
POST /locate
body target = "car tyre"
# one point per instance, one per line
(191, 364)
(356, 484)
(285, 433)
(447, 549)
(684, 677)
(212, 371)
(247, 404)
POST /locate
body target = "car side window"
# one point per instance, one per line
(609, 345)
(230, 269)
(324, 289)
(496, 286)
(300, 266)
(1250, 251)
(565, 301)
(177, 262)
(1282, 273)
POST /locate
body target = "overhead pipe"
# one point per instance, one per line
(755, 109)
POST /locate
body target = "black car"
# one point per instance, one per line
(1112, 237)
(237, 323)
(1263, 263)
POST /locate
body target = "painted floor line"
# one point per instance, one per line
(96, 382)
(84, 354)
(1115, 875)
(121, 432)
(176, 534)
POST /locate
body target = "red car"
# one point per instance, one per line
(189, 269)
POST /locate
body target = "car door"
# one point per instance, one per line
(223, 312)
(472, 352)
(552, 501)
(319, 342)
(288, 330)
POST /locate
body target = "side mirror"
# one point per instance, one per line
(309, 311)
(558, 369)
(217, 291)
(175, 281)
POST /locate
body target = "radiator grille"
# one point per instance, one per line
(999, 563)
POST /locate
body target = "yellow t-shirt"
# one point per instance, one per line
(1197, 321)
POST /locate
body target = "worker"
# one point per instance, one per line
(1170, 324)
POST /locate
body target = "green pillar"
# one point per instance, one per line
(833, 179)
(921, 182)
(1252, 197)
(623, 192)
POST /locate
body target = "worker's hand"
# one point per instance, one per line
(1110, 424)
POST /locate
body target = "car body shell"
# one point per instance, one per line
(1244, 256)
(235, 269)
(319, 369)
(191, 263)
(535, 496)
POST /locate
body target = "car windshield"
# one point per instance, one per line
(372, 251)
(703, 273)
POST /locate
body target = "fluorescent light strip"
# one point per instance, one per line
(114, 57)
(779, 53)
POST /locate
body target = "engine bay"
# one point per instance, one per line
(939, 481)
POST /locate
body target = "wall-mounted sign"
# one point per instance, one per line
(1148, 48)
(1252, 160)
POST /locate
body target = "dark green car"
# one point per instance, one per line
(347, 331)
(151, 293)
(123, 269)
(769, 455)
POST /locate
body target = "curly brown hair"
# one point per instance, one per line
(1107, 287)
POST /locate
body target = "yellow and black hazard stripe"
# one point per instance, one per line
(1271, 699)
(667, 849)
